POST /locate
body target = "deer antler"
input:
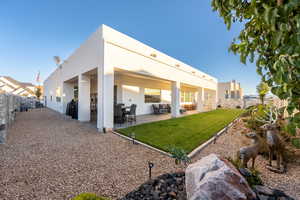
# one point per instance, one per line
(273, 112)
(260, 119)
(271, 116)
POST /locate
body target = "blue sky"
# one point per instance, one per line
(33, 31)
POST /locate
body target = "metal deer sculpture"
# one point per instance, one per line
(275, 143)
(250, 152)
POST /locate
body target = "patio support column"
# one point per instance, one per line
(84, 109)
(105, 98)
(175, 101)
(200, 99)
(68, 94)
(216, 100)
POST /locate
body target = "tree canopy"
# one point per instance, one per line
(38, 92)
(271, 38)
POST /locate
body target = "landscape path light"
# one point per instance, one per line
(132, 135)
(150, 165)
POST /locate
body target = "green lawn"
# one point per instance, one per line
(186, 132)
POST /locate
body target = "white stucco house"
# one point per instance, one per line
(111, 67)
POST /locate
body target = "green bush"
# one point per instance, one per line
(255, 113)
(296, 142)
(179, 154)
(252, 180)
(89, 196)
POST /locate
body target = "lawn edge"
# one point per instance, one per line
(208, 142)
(141, 143)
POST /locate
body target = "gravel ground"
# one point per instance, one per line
(47, 156)
(229, 143)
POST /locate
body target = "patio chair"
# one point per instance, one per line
(163, 108)
(169, 108)
(155, 109)
(118, 114)
(182, 110)
(131, 115)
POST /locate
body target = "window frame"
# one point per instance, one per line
(148, 97)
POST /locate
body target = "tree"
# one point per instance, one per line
(262, 90)
(38, 92)
(271, 37)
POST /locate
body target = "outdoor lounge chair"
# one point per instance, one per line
(161, 108)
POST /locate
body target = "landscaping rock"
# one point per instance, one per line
(215, 178)
(166, 186)
(267, 193)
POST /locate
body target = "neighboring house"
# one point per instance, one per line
(10, 85)
(111, 68)
(252, 100)
(230, 94)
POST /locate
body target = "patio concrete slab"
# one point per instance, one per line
(141, 119)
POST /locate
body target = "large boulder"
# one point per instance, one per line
(215, 178)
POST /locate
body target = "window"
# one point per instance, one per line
(232, 95)
(152, 95)
(58, 92)
(75, 93)
(227, 94)
(187, 96)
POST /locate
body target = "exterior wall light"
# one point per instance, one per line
(153, 55)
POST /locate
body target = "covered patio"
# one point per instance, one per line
(142, 119)
(153, 98)
(142, 90)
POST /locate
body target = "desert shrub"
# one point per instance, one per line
(255, 178)
(248, 111)
(296, 142)
(179, 155)
(255, 113)
(89, 196)
(254, 175)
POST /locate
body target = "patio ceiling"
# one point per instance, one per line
(138, 75)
